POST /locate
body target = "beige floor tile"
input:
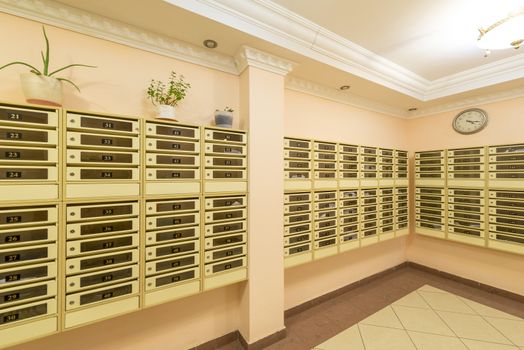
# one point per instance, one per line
(428, 288)
(488, 311)
(382, 338)
(446, 302)
(512, 329)
(424, 341)
(384, 318)
(413, 300)
(472, 327)
(422, 320)
(348, 339)
(480, 345)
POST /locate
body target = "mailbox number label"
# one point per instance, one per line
(12, 155)
(12, 238)
(13, 219)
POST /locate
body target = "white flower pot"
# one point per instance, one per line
(166, 112)
(40, 89)
(224, 119)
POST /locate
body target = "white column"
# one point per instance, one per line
(262, 112)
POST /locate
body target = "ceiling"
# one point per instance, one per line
(432, 38)
(397, 53)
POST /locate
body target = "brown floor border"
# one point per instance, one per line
(264, 342)
(275, 337)
(319, 300)
(218, 342)
(468, 282)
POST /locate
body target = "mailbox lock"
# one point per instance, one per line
(72, 284)
(72, 231)
(72, 156)
(72, 139)
(71, 302)
(72, 120)
(72, 174)
(72, 249)
(72, 213)
(71, 267)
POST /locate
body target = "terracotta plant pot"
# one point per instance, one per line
(166, 112)
(41, 89)
(224, 119)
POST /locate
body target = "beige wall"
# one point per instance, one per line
(499, 269)
(312, 117)
(316, 118)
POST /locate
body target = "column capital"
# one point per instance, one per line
(248, 56)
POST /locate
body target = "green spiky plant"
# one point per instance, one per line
(45, 60)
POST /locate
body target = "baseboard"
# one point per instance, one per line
(319, 300)
(264, 342)
(218, 342)
(468, 282)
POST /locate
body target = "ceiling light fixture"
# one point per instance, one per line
(503, 34)
(210, 44)
(344, 87)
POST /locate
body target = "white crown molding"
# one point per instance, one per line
(63, 16)
(248, 56)
(278, 25)
(488, 74)
(468, 103)
(311, 88)
(271, 22)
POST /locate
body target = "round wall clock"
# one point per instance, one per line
(470, 121)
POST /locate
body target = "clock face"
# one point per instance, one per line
(470, 121)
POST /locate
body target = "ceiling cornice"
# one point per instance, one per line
(276, 24)
(332, 94)
(488, 74)
(345, 97)
(248, 56)
(63, 16)
(468, 102)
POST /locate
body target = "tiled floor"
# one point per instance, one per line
(431, 318)
(314, 326)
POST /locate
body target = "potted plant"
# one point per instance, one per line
(224, 118)
(167, 96)
(40, 86)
